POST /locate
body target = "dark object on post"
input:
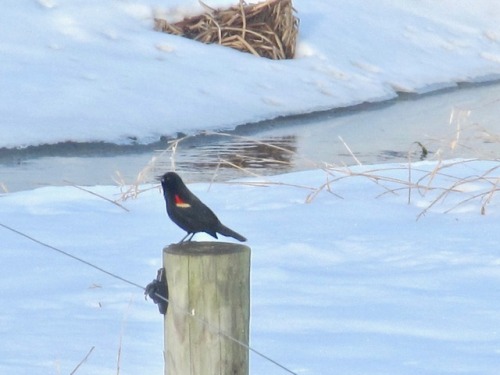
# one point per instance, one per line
(188, 212)
(157, 290)
(209, 283)
(268, 29)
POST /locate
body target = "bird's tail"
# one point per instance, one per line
(225, 231)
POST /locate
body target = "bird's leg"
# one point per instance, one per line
(183, 238)
(190, 238)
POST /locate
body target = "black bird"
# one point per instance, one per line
(189, 213)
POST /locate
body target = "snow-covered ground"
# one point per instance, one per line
(96, 70)
(363, 276)
(349, 283)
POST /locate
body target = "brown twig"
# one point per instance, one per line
(97, 195)
(82, 361)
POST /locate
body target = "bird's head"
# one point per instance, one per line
(170, 180)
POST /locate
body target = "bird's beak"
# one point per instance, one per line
(159, 178)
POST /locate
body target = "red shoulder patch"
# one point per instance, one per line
(179, 202)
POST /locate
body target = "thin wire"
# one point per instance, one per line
(72, 256)
(201, 320)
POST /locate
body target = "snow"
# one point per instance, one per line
(352, 271)
(97, 71)
(353, 279)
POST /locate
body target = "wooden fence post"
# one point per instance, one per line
(210, 280)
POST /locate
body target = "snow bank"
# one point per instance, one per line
(96, 71)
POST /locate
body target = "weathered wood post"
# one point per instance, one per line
(211, 281)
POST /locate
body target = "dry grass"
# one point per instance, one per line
(486, 186)
(82, 361)
(268, 29)
(451, 187)
(97, 195)
(421, 184)
(435, 186)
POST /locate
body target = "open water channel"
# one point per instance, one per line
(453, 123)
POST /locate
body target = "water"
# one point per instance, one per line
(454, 123)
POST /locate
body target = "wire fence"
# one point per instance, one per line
(171, 304)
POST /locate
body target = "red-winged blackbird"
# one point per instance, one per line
(188, 212)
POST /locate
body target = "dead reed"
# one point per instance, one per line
(268, 29)
(437, 184)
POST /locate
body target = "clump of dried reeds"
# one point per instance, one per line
(268, 29)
